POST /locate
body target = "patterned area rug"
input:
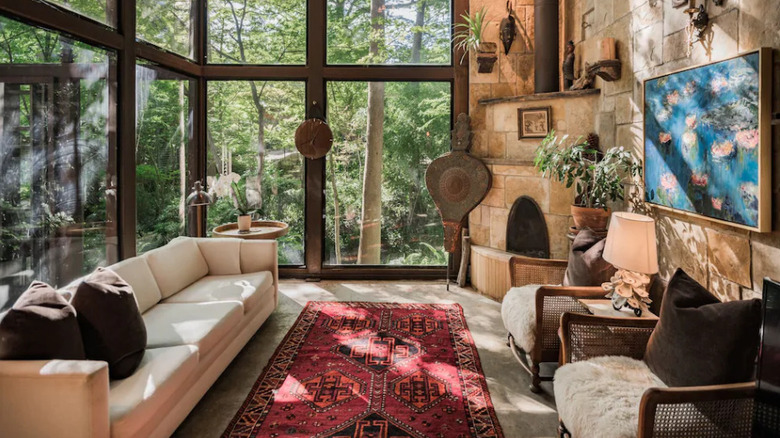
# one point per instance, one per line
(379, 370)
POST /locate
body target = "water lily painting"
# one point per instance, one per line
(706, 142)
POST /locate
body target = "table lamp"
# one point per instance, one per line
(198, 198)
(631, 247)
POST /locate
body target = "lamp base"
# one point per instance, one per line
(629, 289)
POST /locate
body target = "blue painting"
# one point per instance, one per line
(702, 140)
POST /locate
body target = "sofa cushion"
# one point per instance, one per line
(701, 341)
(600, 397)
(161, 372)
(586, 266)
(221, 254)
(111, 325)
(247, 289)
(257, 256)
(177, 265)
(518, 310)
(136, 272)
(201, 324)
(40, 325)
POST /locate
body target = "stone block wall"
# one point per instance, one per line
(651, 40)
(510, 160)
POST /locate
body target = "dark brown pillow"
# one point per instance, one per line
(586, 266)
(701, 341)
(111, 325)
(40, 325)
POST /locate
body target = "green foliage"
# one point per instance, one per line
(598, 178)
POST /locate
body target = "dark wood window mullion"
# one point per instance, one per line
(315, 169)
(126, 192)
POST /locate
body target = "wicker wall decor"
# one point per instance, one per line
(457, 182)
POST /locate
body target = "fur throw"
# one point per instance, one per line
(600, 397)
(518, 310)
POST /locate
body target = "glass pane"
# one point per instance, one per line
(163, 140)
(57, 149)
(378, 210)
(103, 11)
(251, 130)
(257, 32)
(389, 31)
(167, 24)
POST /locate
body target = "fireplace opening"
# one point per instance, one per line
(526, 229)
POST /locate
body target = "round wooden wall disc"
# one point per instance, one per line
(313, 138)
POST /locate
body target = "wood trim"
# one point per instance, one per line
(365, 273)
(221, 72)
(689, 394)
(47, 15)
(167, 59)
(126, 132)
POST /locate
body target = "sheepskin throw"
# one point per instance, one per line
(600, 397)
(518, 310)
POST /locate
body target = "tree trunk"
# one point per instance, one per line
(182, 153)
(419, 22)
(370, 247)
(336, 213)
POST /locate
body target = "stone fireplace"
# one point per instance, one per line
(510, 161)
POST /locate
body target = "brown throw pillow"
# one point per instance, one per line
(701, 341)
(111, 325)
(40, 325)
(586, 266)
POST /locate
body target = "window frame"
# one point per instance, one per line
(316, 73)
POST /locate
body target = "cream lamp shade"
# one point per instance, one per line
(631, 243)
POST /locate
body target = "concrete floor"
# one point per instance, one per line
(520, 412)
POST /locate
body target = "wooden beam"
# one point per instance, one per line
(126, 130)
(45, 14)
(168, 60)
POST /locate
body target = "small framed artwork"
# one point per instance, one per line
(707, 140)
(533, 122)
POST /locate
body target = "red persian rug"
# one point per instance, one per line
(379, 370)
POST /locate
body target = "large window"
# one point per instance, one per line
(389, 31)
(163, 142)
(251, 128)
(167, 24)
(378, 208)
(257, 32)
(112, 114)
(103, 11)
(58, 193)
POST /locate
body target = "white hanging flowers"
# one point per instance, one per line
(627, 288)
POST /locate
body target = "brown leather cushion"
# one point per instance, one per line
(111, 325)
(586, 266)
(701, 341)
(40, 325)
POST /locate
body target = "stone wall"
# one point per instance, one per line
(496, 141)
(651, 41)
(510, 160)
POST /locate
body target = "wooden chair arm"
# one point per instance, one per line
(585, 336)
(697, 411)
(528, 270)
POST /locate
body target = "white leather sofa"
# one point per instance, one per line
(201, 300)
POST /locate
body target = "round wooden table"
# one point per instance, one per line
(259, 230)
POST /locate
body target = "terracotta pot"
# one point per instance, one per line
(244, 222)
(594, 218)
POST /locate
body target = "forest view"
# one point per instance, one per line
(378, 210)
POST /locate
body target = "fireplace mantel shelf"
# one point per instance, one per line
(541, 96)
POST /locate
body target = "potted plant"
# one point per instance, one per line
(242, 207)
(469, 37)
(597, 177)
